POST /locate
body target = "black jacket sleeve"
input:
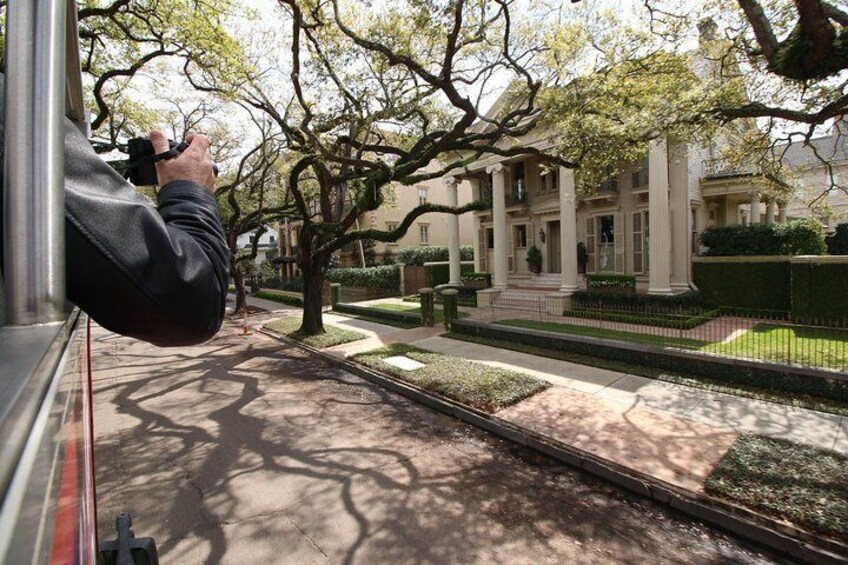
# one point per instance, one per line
(156, 275)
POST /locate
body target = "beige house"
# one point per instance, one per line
(429, 229)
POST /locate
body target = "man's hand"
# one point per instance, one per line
(194, 164)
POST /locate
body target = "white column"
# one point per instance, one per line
(781, 213)
(659, 274)
(568, 230)
(754, 217)
(770, 211)
(681, 218)
(499, 221)
(453, 233)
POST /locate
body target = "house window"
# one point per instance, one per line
(519, 188)
(273, 239)
(424, 234)
(391, 226)
(695, 239)
(640, 174)
(422, 196)
(549, 180)
(590, 245)
(605, 240)
(521, 236)
(610, 184)
(640, 242)
(490, 238)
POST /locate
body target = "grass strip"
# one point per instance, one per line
(486, 388)
(438, 313)
(277, 297)
(814, 347)
(333, 335)
(808, 401)
(605, 333)
(802, 484)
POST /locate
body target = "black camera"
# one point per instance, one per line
(141, 164)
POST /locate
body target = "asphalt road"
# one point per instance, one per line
(243, 450)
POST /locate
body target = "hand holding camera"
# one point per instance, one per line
(160, 161)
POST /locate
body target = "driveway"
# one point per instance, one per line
(243, 450)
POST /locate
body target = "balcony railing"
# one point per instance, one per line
(725, 168)
(518, 195)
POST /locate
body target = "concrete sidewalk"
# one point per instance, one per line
(672, 432)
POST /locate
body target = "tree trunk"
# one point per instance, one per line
(313, 286)
(241, 292)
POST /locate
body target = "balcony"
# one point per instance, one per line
(718, 168)
(518, 196)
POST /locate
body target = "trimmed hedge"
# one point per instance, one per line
(277, 297)
(752, 286)
(641, 302)
(291, 285)
(680, 320)
(384, 277)
(818, 292)
(730, 371)
(378, 313)
(417, 256)
(486, 277)
(837, 244)
(611, 281)
(799, 237)
(435, 275)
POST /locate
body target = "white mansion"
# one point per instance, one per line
(644, 221)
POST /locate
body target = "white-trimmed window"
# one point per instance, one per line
(521, 236)
(590, 245)
(424, 234)
(391, 226)
(422, 195)
(640, 242)
(549, 180)
(640, 174)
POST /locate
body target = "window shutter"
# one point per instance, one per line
(482, 250)
(510, 257)
(590, 244)
(619, 242)
(531, 238)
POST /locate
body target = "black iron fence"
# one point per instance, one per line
(766, 336)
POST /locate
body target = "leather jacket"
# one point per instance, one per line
(156, 273)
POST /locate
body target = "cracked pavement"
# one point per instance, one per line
(244, 450)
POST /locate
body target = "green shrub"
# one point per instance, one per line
(417, 256)
(281, 298)
(534, 259)
(292, 285)
(435, 275)
(477, 280)
(818, 292)
(610, 281)
(589, 299)
(384, 277)
(681, 321)
(837, 244)
(751, 286)
(799, 237)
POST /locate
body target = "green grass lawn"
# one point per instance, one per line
(605, 333)
(817, 347)
(728, 386)
(485, 388)
(332, 335)
(438, 313)
(805, 485)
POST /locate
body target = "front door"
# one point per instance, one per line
(554, 249)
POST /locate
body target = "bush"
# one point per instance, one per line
(799, 237)
(534, 260)
(752, 286)
(837, 244)
(439, 273)
(690, 301)
(385, 277)
(282, 298)
(417, 256)
(624, 282)
(388, 257)
(477, 280)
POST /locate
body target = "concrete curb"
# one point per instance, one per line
(775, 535)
